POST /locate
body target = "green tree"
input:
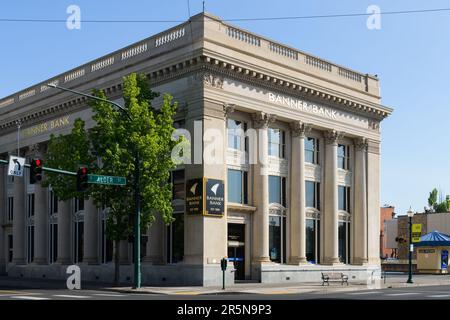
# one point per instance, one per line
(112, 142)
(432, 199)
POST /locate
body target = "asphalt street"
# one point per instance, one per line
(412, 293)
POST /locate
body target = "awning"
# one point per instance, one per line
(434, 239)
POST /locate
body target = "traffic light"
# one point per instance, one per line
(82, 179)
(36, 170)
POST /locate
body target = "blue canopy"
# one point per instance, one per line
(434, 239)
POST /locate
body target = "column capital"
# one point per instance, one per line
(300, 129)
(262, 120)
(228, 109)
(361, 144)
(333, 136)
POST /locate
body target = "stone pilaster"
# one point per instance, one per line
(154, 253)
(360, 202)
(331, 212)
(64, 223)
(2, 219)
(261, 189)
(19, 221)
(298, 201)
(91, 247)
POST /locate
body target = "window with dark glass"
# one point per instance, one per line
(277, 238)
(343, 152)
(30, 206)
(312, 150)
(237, 186)
(107, 245)
(78, 241)
(312, 194)
(53, 203)
(178, 191)
(53, 242)
(30, 243)
(79, 204)
(10, 248)
(344, 241)
(344, 198)
(175, 230)
(277, 190)
(277, 141)
(10, 208)
(313, 240)
(236, 130)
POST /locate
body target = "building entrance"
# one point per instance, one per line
(236, 249)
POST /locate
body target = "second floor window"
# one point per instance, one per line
(344, 198)
(237, 186)
(312, 150)
(277, 141)
(53, 203)
(343, 157)
(312, 194)
(30, 205)
(277, 190)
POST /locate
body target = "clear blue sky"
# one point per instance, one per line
(410, 54)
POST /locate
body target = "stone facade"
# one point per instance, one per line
(220, 74)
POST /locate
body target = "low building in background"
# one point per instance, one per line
(387, 213)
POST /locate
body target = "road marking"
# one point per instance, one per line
(401, 294)
(70, 296)
(29, 298)
(108, 295)
(370, 292)
(439, 296)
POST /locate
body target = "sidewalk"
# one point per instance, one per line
(392, 281)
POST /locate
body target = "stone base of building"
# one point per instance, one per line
(151, 275)
(284, 273)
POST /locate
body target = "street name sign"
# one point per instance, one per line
(109, 180)
(16, 165)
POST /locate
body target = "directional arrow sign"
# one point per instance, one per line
(15, 167)
(110, 180)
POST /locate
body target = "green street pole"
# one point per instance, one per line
(137, 219)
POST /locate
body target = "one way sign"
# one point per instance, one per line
(16, 165)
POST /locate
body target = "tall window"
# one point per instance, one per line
(10, 208)
(312, 194)
(30, 227)
(313, 240)
(344, 241)
(107, 244)
(277, 141)
(277, 190)
(53, 227)
(343, 157)
(10, 248)
(236, 130)
(312, 150)
(30, 207)
(175, 230)
(237, 186)
(344, 198)
(277, 238)
(79, 204)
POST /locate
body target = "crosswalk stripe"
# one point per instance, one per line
(71, 296)
(439, 296)
(361, 293)
(108, 295)
(401, 294)
(29, 298)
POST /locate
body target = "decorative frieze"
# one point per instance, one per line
(212, 80)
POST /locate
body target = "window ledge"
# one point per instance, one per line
(240, 207)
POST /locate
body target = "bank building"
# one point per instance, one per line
(310, 205)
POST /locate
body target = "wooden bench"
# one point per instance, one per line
(334, 276)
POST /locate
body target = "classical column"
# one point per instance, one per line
(64, 221)
(331, 209)
(19, 221)
(261, 189)
(298, 201)
(2, 219)
(153, 252)
(91, 217)
(40, 224)
(360, 204)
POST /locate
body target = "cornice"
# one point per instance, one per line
(204, 63)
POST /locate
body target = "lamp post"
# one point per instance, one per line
(410, 215)
(137, 198)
